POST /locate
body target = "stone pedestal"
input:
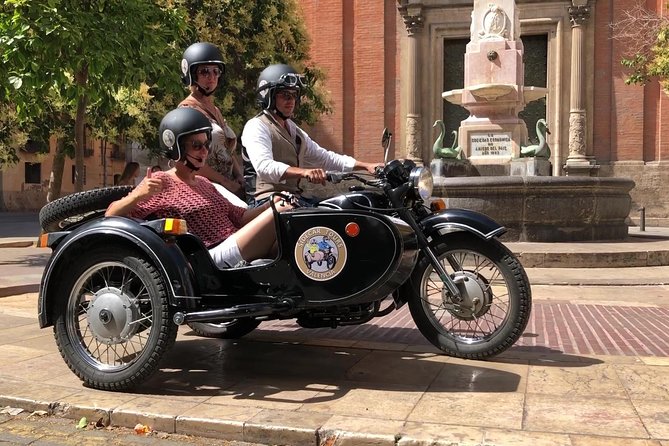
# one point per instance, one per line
(448, 167)
(494, 91)
(531, 167)
(583, 166)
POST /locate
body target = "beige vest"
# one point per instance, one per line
(284, 150)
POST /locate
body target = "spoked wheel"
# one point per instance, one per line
(233, 329)
(111, 319)
(79, 207)
(496, 297)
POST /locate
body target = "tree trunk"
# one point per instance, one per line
(80, 128)
(56, 177)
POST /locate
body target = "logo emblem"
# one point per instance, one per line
(320, 253)
(168, 138)
(261, 84)
(184, 66)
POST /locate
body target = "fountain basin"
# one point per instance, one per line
(491, 92)
(545, 209)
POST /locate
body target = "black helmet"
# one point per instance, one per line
(277, 77)
(196, 54)
(180, 122)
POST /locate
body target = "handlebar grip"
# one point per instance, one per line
(334, 177)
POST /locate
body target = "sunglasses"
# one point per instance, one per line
(199, 145)
(287, 95)
(206, 71)
(292, 80)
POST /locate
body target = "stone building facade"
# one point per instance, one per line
(387, 64)
(24, 187)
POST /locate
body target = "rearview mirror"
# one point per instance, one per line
(385, 143)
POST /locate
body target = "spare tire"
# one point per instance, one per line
(79, 207)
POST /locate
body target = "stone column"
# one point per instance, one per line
(578, 162)
(413, 20)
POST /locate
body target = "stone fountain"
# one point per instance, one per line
(518, 191)
(494, 91)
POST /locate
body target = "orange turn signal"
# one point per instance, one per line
(175, 226)
(438, 204)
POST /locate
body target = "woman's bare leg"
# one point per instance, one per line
(257, 238)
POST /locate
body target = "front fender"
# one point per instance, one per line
(454, 220)
(166, 257)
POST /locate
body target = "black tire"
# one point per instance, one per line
(111, 318)
(233, 329)
(332, 261)
(79, 207)
(497, 305)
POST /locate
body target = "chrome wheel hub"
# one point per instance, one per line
(476, 296)
(111, 315)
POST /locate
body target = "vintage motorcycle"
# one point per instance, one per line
(116, 289)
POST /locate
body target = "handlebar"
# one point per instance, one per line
(335, 177)
(338, 177)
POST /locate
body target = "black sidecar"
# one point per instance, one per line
(116, 289)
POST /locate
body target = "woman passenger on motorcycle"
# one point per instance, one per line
(232, 234)
(201, 70)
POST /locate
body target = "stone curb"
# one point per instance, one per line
(330, 433)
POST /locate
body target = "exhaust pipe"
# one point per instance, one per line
(238, 311)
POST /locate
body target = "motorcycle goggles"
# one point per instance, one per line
(292, 80)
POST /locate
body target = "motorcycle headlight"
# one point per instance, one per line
(421, 177)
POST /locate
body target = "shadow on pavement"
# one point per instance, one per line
(280, 371)
(31, 260)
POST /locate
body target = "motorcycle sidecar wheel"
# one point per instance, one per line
(111, 319)
(233, 329)
(79, 207)
(495, 309)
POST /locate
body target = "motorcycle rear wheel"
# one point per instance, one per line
(233, 329)
(497, 303)
(111, 319)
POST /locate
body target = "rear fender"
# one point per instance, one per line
(166, 257)
(457, 220)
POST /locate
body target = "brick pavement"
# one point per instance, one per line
(590, 369)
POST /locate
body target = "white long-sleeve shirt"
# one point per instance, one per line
(257, 140)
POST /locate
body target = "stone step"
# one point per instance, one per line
(639, 249)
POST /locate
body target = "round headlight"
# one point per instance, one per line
(423, 182)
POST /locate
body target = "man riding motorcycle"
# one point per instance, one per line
(281, 153)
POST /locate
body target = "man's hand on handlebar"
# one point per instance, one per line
(316, 176)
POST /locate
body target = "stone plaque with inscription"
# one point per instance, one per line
(491, 144)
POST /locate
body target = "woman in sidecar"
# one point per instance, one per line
(233, 235)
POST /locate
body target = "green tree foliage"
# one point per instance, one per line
(113, 66)
(82, 51)
(646, 34)
(252, 35)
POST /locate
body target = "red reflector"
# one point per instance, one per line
(352, 229)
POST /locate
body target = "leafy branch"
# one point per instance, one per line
(646, 35)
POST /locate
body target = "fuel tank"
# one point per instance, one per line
(341, 255)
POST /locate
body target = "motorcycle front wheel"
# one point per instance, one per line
(111, 318)
(496, 297)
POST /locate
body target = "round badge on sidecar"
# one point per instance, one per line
(320, 253)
